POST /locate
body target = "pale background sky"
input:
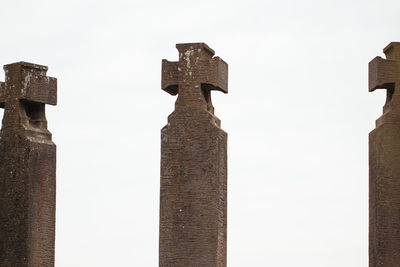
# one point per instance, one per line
(298, 114)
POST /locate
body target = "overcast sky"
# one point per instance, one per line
(298, 114)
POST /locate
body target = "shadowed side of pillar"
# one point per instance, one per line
(27, 168)
(384, 168)
(193, 163)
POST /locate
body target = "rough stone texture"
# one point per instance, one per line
(27, 168)
(384, 167)
(193, 162)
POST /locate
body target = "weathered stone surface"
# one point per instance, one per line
(384, 168)
(27, 168)
(193, 162)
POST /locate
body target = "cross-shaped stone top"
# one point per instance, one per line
(385, 74)
(194, 75)
(24, 94)
(27, 81)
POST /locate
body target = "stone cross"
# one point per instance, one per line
(193, 162)
(195, 74)
(385, 73)
(27, 167)
(384, 168)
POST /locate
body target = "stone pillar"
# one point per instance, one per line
(193, 197)
(27, 168)
(384, 164)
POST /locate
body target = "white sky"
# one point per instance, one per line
(297, 114)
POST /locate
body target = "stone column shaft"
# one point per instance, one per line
(384, 167)
(27, 168)
(193, 163)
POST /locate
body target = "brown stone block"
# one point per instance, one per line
(382, 73)
(34, 85)
(169, 76)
